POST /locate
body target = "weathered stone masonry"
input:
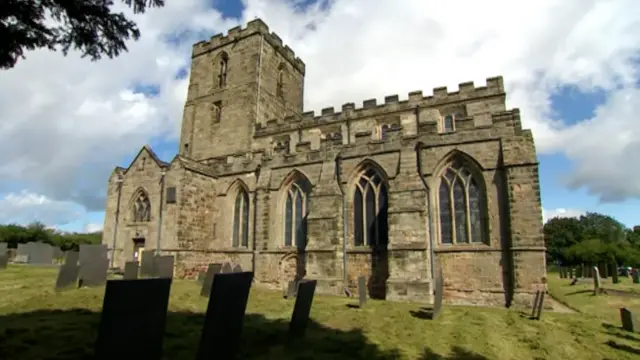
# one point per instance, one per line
(380, 190)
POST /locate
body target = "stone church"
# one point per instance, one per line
(380, 190)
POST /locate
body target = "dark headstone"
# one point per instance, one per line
(71, 258)
(94, 274)
(362, 290)
(163, 266)
(438, 290)
(201, 277)
(614, 274)
(292, 289)
(3, 248)
(90, 253)
(67, 276)
(534, 306)
(22, 254)
(237, 268)
(212, 270)
(57, 253)
(130, 270)
(635, 275)
(628, 320)
(4, 261)
(540, 306)
(302, 308)
(132, 324)
(226, 268)
(225, 316)
(147, 267)
(40, 254)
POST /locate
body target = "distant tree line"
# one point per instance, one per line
(17, 234)
(591, 238)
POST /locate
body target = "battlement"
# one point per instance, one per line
(256, 26)
(392, 103)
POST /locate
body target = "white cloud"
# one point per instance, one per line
(65, 121)
(89, 228)
(26, 207)
(548, 214)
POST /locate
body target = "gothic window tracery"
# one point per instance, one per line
(223, 69)
(142, 208)
(241, 219)
(448, 123)
(461, 204)
(370, 204)
(296, 212)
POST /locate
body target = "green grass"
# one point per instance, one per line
(37, 323)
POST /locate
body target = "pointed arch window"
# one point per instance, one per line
(223, 66)
(461, 203)
(384, 129)
(241, 219)
(216, 111)
(370, 204)
(448, 124)
(142, 208)
(296, 212)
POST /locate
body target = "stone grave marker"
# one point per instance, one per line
(628, 320)
(93, 274)
(71, 257)
(57, 253)
(4, 261)
(596, 280)
(223, 321)
(438, 290)
(237, 268)
(292, 289)
(635, 275)
(130, 270)
(147, 267)
(89, 253)
(133, 319)
(614, 275)
(67, 275)
(537, 310)
(22, 254)
(302, 308)
(226, 268)
(40, 254)
(207, 282)
(163, 266)
(4, 248)
(362, 291)
(534, 306)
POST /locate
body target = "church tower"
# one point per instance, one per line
(238, 80)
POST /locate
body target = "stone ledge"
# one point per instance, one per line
(466, 248)
(294, 250)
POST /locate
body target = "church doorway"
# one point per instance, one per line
(138, 247)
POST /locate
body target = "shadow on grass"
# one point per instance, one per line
(423, 313)
(579, 292)
(458, 353)
(623, 347)
(617, 331)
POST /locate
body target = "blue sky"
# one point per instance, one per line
(572, 69)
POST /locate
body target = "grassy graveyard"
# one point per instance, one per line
(37, 323)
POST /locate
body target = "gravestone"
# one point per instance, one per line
(130, 270)
(628, 320)
(133, 319)
(3, 248)
(163, 266)
(540, 304)
(635, 275)
(147, 263)
(292, 289)
(201, 276)
(22, 254)
(40, 254)
(67, 276)
(223, 321)
(237, 268)
(93, 274)
(534, 306)
(57, 253)
(90, 253)
(614, 274)
(302, 308)
(362, 291)
(4, 261)
(438, 290)
(596, 280)
(72, 258)
(212, 270)
(226, 268)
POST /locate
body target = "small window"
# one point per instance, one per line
(383, 132)
(171, 195)
(223, 66)
(448, 123)
(216, 111)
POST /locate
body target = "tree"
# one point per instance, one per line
(560, 234)
(17, 234)
(88, 26)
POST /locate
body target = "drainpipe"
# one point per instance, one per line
(344, 228)
(119, 181)
(162, 174)
(254, 247)
(430, 215)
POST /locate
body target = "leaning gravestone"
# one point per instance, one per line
(534, 306)
(147, 266)
(67, 276)
(163, 266)
(223, 321)
(237, 268)
(134, 315)
(439, 288)
(207, 282)
(538, 305)
(94, 274)
(596, 280)
(130, 270)
(71, 257)
(226, 268)
(362, 291)
(628, 320)
(302, 308)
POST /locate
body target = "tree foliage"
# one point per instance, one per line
(17, 234)
(89, 26)
(592, 238)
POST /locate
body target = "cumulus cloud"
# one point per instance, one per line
(548, 214)
(26, 207)
(65, 121)
(90, 228)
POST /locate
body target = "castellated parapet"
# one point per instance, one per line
(237, 33)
